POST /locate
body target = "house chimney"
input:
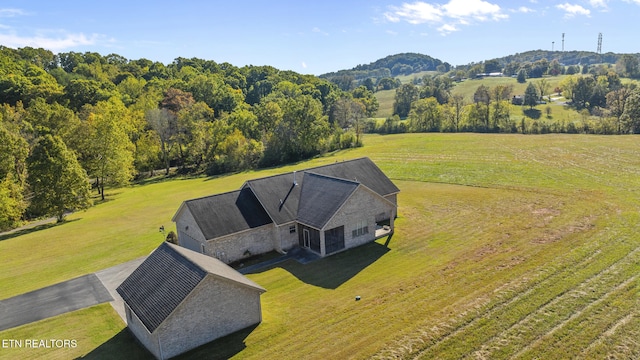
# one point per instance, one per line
(295, 183)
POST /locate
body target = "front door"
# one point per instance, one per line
(306, 238)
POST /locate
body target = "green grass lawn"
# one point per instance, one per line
(385, 99)
(506, 246)
(468, 87)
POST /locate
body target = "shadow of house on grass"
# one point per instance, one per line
(222, 348)
(335, 270)
(123, 345)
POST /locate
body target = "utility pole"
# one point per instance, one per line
(562, 42)
(553, 42)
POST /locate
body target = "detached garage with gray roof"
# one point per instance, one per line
(177, 300)
(325, 209)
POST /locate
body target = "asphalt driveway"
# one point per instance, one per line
(74, 294)
(53, 300)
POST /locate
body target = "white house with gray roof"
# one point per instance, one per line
(324, 209)
(177, 300)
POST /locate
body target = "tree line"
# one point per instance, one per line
(71, 122)
(606, 105)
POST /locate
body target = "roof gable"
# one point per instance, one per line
(166, 277)
(361, 170)
(321, 196)
(281, 198)
(228, 213)
(278, 195)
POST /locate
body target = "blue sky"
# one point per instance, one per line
(315, 37)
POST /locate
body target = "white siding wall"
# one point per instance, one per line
(214, 309)
(362, 205)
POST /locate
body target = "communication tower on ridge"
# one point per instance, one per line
(599, 51)
(563, 42)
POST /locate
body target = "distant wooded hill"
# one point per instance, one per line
(391, 66)
(410, 63)
(564, 57)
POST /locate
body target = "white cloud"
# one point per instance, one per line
(391, 32)
(633, 1)
(524, 9)
(447, 17)
(304, 65)
(473, 9)
(572, 10)
(447, 29)
(11, 12)
(318, 31)
(416, 13)
(598, 3)
(53, 43)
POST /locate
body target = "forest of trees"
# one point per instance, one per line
(70, 122)
(381, 73)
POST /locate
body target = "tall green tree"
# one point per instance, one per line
(631, 115)
(13, 154)
(531, 95)
(111, 148)
(299, 133)
(628, 66)
(405, 95)
(425, 115)
(164, 123)
(367, 99)
(457, 104)
(482, 99)
(58, 182)
(616, 101)
(582, 91)
(543, 87)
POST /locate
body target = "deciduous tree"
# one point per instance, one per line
(531, 96)
(110, 145)
(58, 182)
(405, 95)
(425, 115)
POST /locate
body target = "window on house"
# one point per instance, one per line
(361, 228)
(292, 229)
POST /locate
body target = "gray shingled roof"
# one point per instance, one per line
(281, 198)
(362, 170)
(227, 213)
(320, 198)
(166, 277)
(159, 284)
(278, 195)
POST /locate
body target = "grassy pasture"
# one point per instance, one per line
(468, 87)
(507, 246)
(385, 99)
